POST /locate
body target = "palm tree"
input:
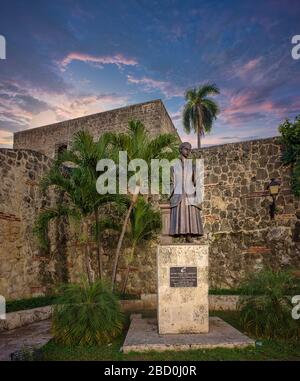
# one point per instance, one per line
(85, 153)
(144, 222)
(74, 173)
(139, 145)
(200, 111)
(76, 187)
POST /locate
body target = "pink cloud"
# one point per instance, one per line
(117, 59)
(167, 88)
(176, 115)
(207, 140)
(249, 66)
(14, 116)
(243, 106)
(243, 71)
(74, 107)
(6, 138)
(147, 81)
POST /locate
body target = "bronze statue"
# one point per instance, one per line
(185, 218)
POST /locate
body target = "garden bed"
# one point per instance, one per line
(264, 350)
(20, 318)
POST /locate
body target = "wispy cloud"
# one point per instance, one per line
(149, 84)
(175, 116)
(75, 106)
(249, 105)
(117, 59)
(248, 67)
(218, 138)
(166, 50)
(5, 138)
(22, 109)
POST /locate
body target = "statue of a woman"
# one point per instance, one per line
(185, 218)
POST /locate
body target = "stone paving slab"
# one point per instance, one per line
(143, 336)
(31, 336)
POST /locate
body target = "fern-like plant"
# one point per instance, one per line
(145, 221)
(265, 309)
(86, 314)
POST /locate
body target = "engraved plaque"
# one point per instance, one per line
(183, 276)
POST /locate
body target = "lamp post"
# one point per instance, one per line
(274, 190)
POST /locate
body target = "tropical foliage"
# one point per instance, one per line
(74, 173)
(86, 314)
(200, 111)
(145, 221)
(267, 311)
(290, 138)
(139, 145)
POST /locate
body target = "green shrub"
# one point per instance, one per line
(86, 314)
(265, 310)
(224, 291)
(290, 138)
(26, 304)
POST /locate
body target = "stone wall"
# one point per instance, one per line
(237, 225)
(242, 236)
(47, 139)
(235, 212)
(25, 270)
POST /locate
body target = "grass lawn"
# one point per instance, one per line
(269, 350)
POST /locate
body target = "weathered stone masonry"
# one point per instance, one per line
(237, 225)
(235, 211)
(25, 269)
(242, 236)
(20, 202)
(47, 139)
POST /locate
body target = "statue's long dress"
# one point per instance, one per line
(185, 219)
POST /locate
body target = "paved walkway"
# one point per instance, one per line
(33, 336)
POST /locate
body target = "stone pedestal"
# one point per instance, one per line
(165, 238)
(182, 285)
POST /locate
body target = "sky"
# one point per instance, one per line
(71, 58)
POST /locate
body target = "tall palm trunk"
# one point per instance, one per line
(128, 269)
(199, 127)
(99, 249)
(198, 138)
(88, 267)
(121, 238)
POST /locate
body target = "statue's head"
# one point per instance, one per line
(185, 149)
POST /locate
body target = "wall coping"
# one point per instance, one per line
(85, 117)
(259, 140)
(148, 302)
(21, 318)
(32, 152)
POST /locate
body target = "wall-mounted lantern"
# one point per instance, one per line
(273, 188)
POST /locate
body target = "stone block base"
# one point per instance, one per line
(143, 336)
(182, 284)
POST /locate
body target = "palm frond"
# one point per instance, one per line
(207, 89)
(186, 117)
(144, 221)
(211, 106)
(41, 225)
(191, 95)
